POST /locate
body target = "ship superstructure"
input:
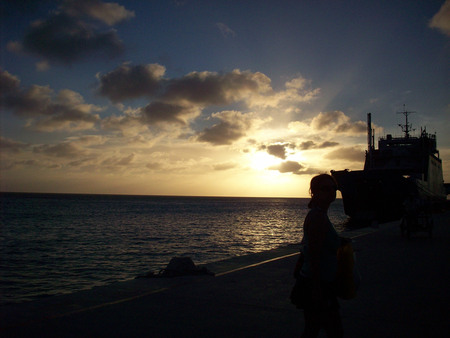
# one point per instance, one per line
(401, 167)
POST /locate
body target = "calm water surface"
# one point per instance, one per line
(60, 243)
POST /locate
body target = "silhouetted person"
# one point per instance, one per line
(320, 245)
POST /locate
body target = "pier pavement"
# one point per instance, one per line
(404, 293)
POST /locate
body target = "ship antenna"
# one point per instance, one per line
(407, 127)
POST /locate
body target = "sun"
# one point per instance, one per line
(263, 161)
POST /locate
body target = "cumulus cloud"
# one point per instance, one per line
(46, 111)
(441, 20)
(178, 100)
(297, 91)
(338, 122)
(108, 12)
(353, 154)
(288, 167)
(233, 125)
(128, 82)
(66, 39)
(278, 150)
(162, 112)
(66, 36)
(211, 88)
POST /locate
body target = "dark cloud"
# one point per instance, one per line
(288, 167)
(177, 100)
(66, 39)
(209, 88)
(72, 32)
(277, 150)
(128, 82)
(358, 127)
(353, 154)
(233, 126)
(157, 112)
(46, 111)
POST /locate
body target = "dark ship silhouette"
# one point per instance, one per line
(402, 167)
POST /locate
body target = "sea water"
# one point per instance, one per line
(60, 243)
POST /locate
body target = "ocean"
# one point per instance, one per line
(53, 244)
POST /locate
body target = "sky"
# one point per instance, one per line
(212, 98)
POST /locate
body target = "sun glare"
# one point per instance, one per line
(263, 161)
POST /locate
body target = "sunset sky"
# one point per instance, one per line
(212, 98)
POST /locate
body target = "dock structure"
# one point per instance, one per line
(404, 293)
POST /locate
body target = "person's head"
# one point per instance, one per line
(322, 189)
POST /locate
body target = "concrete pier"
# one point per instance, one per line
(404, 293)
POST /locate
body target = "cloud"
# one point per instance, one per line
(129, 82)
(161, 112)
(226, 31)
(64, 150)
(210, 88)
(45, 111)
(176, 101)
(125, 124)
(278, 150)
(353, 154)
(288, 167)
(338, 122)
(110, 13)
(66, 39)
(441, 20)
(9, 84)
(68, 35)
(307, 145)
(297, 91)
(10, 146)
(233, 125)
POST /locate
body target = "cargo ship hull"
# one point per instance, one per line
(400, 169)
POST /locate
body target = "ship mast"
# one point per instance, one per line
(407, 127)
(370, 141)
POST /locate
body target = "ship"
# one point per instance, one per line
(401, 168)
